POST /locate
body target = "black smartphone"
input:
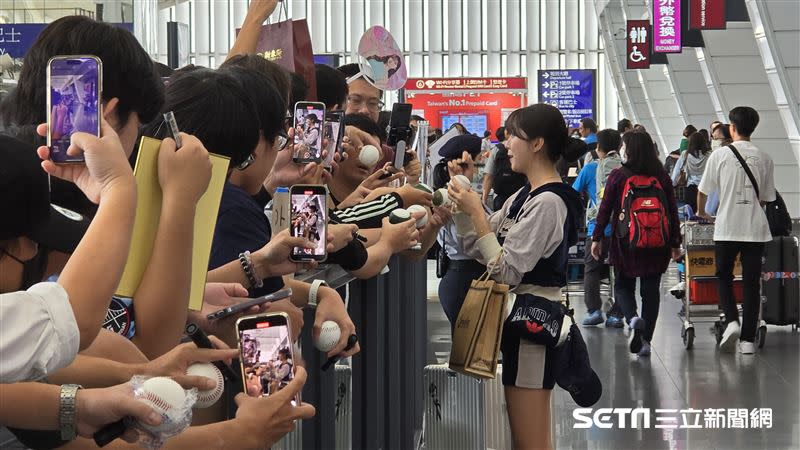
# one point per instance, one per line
(333, 133)
(266, 353)
(74, 92)
(399, 130)
(309, 124)
(309, 219)
(244, 306)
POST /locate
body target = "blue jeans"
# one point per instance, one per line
(455, 284)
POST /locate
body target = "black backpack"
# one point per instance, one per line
(506, 182)
(778, 218)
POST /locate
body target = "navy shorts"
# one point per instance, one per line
(525, 364)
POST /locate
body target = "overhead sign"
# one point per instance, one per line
(667, 26)
(450, 84)
(571, 91)
(707, 14)
(638, 38)
(17, 38)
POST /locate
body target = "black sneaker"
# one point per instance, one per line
(637, 326)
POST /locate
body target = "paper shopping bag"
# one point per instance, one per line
(478, 330)
(288, 44)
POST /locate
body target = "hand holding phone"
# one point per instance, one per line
(309, 219)
(266, 354)
(245, 305)
(106, 163)
(309, 125)
(74, 92)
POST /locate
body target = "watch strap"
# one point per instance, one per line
(312, 293)
(67, 411)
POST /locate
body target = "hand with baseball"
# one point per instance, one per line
(96, 408)
(330, 306)
(262, 421)
(174, 363)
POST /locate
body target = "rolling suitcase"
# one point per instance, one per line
(344, 416)
(464, 413)
(780, 285)
(344, 407)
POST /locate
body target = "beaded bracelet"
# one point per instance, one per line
(249, 270)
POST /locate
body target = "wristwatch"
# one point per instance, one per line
(67, 411)
(312, 293)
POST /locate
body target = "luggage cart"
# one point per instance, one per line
(699, 273)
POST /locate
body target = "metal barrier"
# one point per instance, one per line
(390, 314)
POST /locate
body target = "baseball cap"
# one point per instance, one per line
(573, 371)
(25, 201)
(456, 146)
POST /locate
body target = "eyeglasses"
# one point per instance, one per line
(357, 102)
(246, 163)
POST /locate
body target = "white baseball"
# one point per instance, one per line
(166, 397)
(329, 336)
(422, 221)
(440, 198)
(369, 155)
(208, 370)
(464, 181)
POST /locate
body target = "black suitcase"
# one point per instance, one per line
(780, 286)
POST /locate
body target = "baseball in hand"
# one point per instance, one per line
(208, 370)
(399, 215)
(440, 198)
(166, 397)
(463, 181)
(329, 336)
(369, 155)
(422, 221)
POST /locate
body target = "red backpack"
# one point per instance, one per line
(644, 218)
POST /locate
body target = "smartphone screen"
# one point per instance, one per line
(309, 219)
(309, 126)
(265, 351)
(333, 133)
(74, 85)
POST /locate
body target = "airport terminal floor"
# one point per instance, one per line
(673, 379)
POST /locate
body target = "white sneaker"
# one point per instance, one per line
(747, 348)
(729, 337)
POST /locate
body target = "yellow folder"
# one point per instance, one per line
(148, 212)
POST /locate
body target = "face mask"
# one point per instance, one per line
(32, 269)
(716, 143)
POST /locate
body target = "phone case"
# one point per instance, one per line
(243, 358)
(313, 232)
(99, 93)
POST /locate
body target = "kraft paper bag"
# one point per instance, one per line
(479, 329)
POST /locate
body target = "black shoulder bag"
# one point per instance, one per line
(780, 223)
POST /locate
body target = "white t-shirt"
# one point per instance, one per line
(740, 216)
(38, 332)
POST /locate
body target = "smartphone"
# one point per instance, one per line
(74, 90)
(399, 130)
(244, 306)
(309, 124)
(265, 353)
(333, 133)
(309, 219)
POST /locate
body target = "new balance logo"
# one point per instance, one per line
(647, 203)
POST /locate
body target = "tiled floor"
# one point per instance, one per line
(673, 378)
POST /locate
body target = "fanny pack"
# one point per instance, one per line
(538, 320)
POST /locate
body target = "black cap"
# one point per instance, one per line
(25, 201)
(456, 146)
(573, 371)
